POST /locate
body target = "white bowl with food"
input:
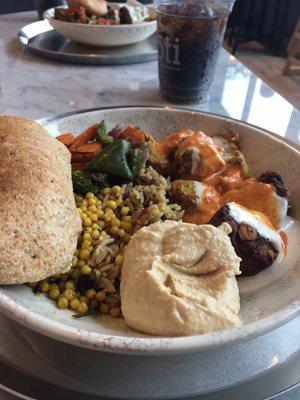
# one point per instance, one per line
(168, 267)
(122, 23)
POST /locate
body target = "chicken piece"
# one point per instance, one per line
(231, 136)
(161, 154)
(230, 153)
(172, 141)
(200, 201)
(94, 7)
(184, 192)
(158, 159)
(197, 157)
(157, 156)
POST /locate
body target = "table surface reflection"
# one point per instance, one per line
(35, 87)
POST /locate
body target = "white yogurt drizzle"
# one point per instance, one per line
(195, 159)
(242, 216)
(137, 11)
(199, 190)
(282, 207)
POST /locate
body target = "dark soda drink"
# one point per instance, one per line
(190, 34)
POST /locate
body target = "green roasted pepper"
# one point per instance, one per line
(101, 135)
(136, 161)
(112, 160)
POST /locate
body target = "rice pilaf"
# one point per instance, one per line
(109, 220)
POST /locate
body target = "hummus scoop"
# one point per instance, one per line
(179, 279)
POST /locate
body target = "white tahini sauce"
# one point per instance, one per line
(195, 159)
(137, 11)
(242, 216)
(282, 207)
(199, 190)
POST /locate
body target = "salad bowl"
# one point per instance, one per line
(102, 35)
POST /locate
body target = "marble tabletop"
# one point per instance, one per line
(36, 87)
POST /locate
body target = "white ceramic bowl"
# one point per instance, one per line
(268, 300)
(102, 35)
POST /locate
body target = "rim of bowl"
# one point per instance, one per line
(48, 15)
(150, 345)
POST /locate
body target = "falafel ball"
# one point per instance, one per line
(257, 252)
(275, 179)
(124, 15)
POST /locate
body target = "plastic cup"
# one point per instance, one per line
(190, 34)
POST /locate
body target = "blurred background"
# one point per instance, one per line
(262, 34)
(269, 22)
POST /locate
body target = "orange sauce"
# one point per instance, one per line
(256, 196)
(211, 202)
(284, 239)
(173, 140)
(226, 180)
(207, 158)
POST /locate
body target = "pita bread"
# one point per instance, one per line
(95, 7)
(39, 221)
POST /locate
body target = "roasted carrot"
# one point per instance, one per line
(66, 138)
(94, 148)
(133, 133)
(76, 157)
(84, 137)
(77, 165)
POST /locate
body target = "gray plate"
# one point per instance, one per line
(41, 38)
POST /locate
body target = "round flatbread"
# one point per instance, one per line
(39, 221)
(94, 7)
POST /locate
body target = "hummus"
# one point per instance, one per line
(179, 279)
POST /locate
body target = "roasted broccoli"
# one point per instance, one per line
(82, 184)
